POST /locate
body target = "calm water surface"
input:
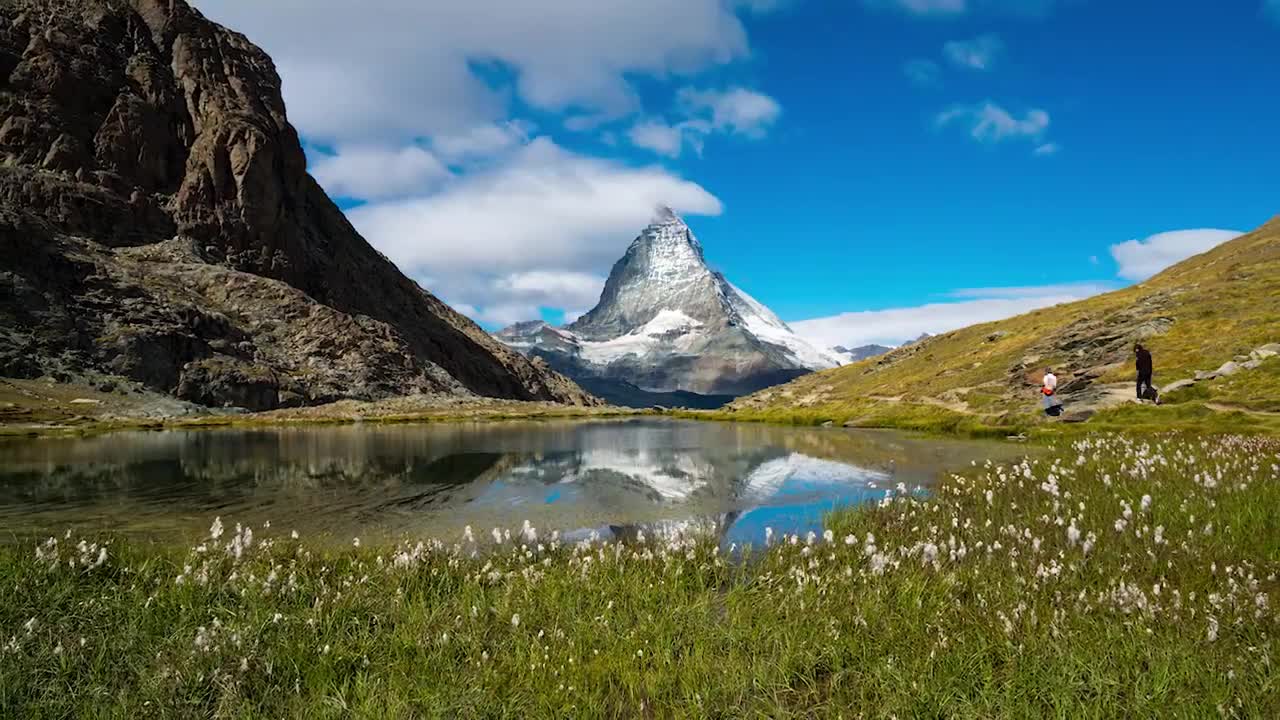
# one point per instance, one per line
(389, 482)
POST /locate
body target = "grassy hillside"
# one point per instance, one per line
(1194, 316)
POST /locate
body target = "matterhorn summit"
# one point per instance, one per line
(669, 330)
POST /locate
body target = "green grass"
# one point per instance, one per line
(975, 602)
(1257, 390)
(1221, 304)
(899, 416)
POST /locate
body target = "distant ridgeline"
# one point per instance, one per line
(670, 331)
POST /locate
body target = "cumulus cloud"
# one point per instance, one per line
(922, 72)
(980, 53)
(376, 173)
(1140, 259)
(481, 141)
(990, 123)
(538, 230)
(895, 326)
(501, 300)
(412, 69)
(415, 108)
(658, 136)
(736, 111)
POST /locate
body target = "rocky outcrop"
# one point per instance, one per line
(157, 223)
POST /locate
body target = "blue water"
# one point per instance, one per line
(612, 478)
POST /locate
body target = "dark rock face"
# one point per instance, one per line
(157, 222)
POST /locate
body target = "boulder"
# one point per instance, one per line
(1177, 385)
(1267, 351)
(1075, 385)
(1078, 416)
(1229, 368)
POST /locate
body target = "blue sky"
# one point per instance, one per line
(870, 169)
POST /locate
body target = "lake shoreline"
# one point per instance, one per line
(39, 409)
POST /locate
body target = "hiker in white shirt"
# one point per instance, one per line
(1050, 381)
(1052, 405)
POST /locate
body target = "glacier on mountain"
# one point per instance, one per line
(667, 323)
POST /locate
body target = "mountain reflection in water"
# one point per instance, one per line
(615, 477)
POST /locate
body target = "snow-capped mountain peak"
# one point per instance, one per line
(667, 322)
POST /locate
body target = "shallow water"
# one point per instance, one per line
(389, 482)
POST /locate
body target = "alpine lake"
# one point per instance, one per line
(333, 484)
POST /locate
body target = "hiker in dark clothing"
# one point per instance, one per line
(1144, 371)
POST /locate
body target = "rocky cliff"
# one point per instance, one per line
(158, 227)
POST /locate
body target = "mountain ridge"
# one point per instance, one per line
(160, 230)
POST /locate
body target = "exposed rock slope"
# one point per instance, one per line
(157, 223)
(666, 323)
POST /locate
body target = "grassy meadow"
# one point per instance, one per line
(1110, 577)
(981, 379)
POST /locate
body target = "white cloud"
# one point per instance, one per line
(1140, 259)
(389, 70)
(657, 136)
(924, 73)
(560, 288)
(980, 53)
(1047, 149)
(481, 141)
(532, 231)
(503, 300)
(376, 172)
(898, 325)
(1077, 289)
(737, 110)
(990, 123)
